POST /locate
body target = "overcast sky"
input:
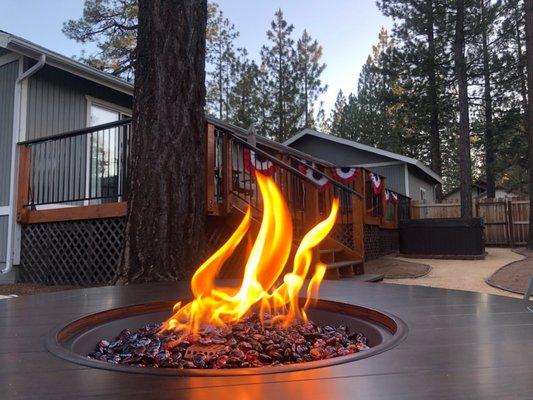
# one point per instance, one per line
(346, 29)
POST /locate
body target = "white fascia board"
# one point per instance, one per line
(34, 51)
(380, 164)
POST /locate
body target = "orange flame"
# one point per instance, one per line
(264, 266)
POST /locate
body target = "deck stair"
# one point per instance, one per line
(341, 266)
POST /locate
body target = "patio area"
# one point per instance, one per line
(467, 275)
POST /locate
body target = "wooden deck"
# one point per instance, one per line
(459, 345)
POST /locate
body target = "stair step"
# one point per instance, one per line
(342, 264)
(329, 251)
(366, 278)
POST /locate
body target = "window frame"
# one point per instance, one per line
(123, 112)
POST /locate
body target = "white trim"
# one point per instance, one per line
(4, 210)
(23, 109)
(104, 104)
(380, 164)
(406, 173)
(364, 147)
(111, 107)
(13, 244)
(54, 206)
(32, 50)
(8, 58)
(422, 190)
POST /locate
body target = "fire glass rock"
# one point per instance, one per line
(246, 344)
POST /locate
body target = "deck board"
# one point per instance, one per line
(460, 344)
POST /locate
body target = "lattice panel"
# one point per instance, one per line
(72, 253)
(343, 233)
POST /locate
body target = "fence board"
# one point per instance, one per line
(506, 220)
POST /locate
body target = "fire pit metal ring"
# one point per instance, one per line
(73, 340)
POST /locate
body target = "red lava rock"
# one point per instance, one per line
(248, 344)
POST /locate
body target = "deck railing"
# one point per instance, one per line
(83, 174)
(86, 167)
(309, 201)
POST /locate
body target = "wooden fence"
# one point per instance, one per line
(506, 220)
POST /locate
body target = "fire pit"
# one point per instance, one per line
(261, 325)
(77, 339)
(458, 342)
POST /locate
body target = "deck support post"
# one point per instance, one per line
(358, 218)
(23, 186)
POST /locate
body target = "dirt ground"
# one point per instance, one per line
(515, 276)
(21, 289)
(394, 268)
(464, 274)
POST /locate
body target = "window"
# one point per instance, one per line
(106, 161)
(422, 194)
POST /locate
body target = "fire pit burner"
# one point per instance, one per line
(246, 344)
(339, 333)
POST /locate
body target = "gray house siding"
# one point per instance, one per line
(3, 240)
(336, 153)
(8, 77)
(416, 182)
(57, 102)
(395, 175)
(53, 107)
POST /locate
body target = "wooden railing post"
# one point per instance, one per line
(23, 184)
(358, 217)
(383, 203)
(211, 204)
(397, 213)
(312, 213)
(227, 173)
(510, 221)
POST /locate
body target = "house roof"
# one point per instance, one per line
(408, 160)
(482, 185)
(34, 51)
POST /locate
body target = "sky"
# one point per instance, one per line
(346, 29)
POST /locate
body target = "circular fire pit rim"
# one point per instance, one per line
(64, 331)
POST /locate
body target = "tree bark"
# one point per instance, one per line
(521, 69)
(465, 162)
(529, 55)
(434, 137)
(489, 140)
(166, 199)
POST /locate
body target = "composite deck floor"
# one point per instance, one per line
(459, 345)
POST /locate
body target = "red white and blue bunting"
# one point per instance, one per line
(345, 174)
(391, 196)
(377, 184)
(253, 161)
(320, 179)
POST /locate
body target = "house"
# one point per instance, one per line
(479, 191)
(64, 134)
(405, 175)
(43, 94)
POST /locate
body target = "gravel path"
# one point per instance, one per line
(464, 274)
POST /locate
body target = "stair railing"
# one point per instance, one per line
(234, 161)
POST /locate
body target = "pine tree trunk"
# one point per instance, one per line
(166, 202)
(489, 140)
(465, 163)
(529, 55)
(521, 69)
(434, 137)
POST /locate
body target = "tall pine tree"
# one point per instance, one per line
(309, 69)
(221, 59)
(280, 61)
